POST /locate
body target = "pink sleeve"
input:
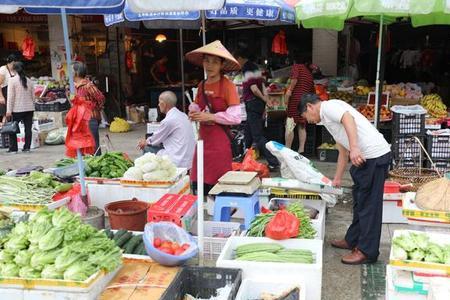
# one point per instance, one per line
(232, 116)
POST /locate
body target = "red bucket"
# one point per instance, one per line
(127, 214)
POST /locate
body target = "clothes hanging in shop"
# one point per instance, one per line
(28, 47)
(279, 45)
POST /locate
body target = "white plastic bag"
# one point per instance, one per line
(296, 166)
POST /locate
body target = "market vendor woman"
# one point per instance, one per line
(370, 155)
(216, 107)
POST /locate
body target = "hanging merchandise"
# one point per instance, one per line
(279, 45)
(129, 60)
(78, 133)
(28, 47)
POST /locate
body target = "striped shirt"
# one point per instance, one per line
(305, 84)
(20, 99)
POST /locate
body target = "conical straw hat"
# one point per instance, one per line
(215, 48)
(434, 195)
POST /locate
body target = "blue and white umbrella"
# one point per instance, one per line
(261, 10)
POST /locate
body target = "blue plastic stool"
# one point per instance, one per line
(224, 203)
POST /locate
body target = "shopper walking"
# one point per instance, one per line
(370, 155)
(6, 72)
(20, 105)
(87, 90)
(255, 98)
(216, 107)
(301, 83)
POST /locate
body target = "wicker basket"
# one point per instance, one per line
(416, 176)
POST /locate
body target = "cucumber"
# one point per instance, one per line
(132, 244)
(143, 251)
(140, 249)
(109, 234)
(119, 234)
(124, 239)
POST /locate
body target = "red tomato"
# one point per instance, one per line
(185, 246)
(166, 244)
(167, 250)
(175, 246)
(179, 251)
(157, 242)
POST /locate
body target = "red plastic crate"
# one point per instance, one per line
(391, 187)
(178, 209)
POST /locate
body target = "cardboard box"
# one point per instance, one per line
(139, 279)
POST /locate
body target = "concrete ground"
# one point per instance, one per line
(339, 281)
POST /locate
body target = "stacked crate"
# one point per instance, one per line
(438, 147)
(406, 150)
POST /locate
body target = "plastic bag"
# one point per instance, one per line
(56, 136)
(76, 204)
(249, 164)
(174, 233)
(284, 225)
(296, 166)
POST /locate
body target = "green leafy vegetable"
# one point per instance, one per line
(42, 258)
(399, 253)
(417, 254)
(29, 272)
(6, 256)
(68, 257)
(23, 258)
(51, 272)
(52, 239)
(79, 271)
(10, 270)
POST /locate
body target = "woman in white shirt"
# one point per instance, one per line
(6, 72)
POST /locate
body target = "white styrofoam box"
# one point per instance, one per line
(152, 127)
(215, 236)
(320, 205)
(309, 274)
(252, 288)
(392, 294)
(442, 239)
(393, 212)
(40, 291)
(102, 194)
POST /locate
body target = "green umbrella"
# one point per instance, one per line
(332, 14)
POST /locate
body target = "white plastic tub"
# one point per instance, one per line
(308, 274)
(422, 266)
(41, 289)
(252, 288)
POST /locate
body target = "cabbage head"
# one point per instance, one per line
(50, 272)
(51, 240)
(79, 271)
(10, 270)
(29, 272)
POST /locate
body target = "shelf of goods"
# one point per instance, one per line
(102, 194)
(308, 274)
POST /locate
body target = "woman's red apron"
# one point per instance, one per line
(217, 148)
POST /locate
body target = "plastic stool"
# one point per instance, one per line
(224, 203)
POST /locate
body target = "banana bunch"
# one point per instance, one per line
(119, 125)
(434, 105)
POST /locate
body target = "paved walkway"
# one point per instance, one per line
(339, 281)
